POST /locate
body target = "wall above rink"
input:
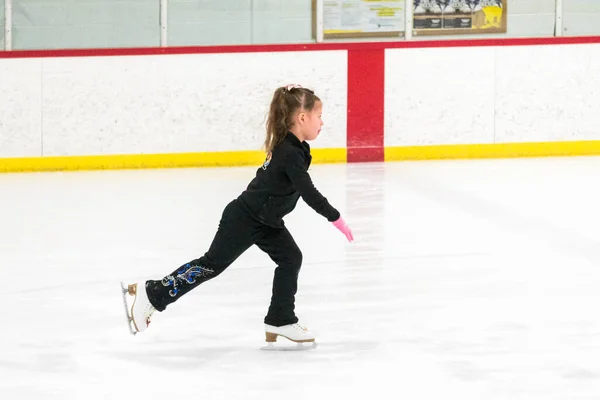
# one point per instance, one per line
(206, 106)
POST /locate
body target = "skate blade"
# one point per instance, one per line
(124, 292)
(294, 347)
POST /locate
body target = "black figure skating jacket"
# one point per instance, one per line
(281, 181)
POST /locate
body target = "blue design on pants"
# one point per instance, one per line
(186, 274)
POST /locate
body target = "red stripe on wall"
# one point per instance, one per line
(259, 48)
(366, 73)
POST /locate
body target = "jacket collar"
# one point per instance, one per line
(296, 142)
(290, 137)
(293, 139)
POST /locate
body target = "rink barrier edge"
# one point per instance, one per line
(148, 161)
(320, 156)
(300, 47)
(492, 150)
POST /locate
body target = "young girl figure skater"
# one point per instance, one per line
(255, 218)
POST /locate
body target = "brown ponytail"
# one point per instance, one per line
(286, 101)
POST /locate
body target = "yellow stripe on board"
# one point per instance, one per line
(134, 161)
(496, 150)
(320, 156)
(329, 156)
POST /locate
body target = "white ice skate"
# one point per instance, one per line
(303, 338)
(138, 315)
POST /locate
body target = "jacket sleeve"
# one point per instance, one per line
(296, 171)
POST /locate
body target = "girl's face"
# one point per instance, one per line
(313, 124)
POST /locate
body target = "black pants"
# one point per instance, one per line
(236, 233)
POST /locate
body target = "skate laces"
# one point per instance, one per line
(148, 311)
(300, 327)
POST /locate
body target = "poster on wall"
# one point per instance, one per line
(362, 18)
(458, 17)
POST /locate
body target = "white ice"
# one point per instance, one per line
(467, 280)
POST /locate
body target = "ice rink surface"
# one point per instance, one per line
(467, 280)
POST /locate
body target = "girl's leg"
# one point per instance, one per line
(283, 250)
(237, 231)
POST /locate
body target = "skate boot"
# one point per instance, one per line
(303, 338)
(141, 310)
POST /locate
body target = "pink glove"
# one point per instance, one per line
(344, 228)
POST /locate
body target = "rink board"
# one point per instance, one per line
(320, 156)
(147, 161)
(388, 101)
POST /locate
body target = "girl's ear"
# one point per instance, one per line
(301, 116)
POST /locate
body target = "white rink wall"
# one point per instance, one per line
(159, 104)
(20, 108)
(477, 95)
(107, 105)
(439, 96)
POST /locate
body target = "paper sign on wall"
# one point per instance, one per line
(362, 18)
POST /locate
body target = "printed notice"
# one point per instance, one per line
(359, 17)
